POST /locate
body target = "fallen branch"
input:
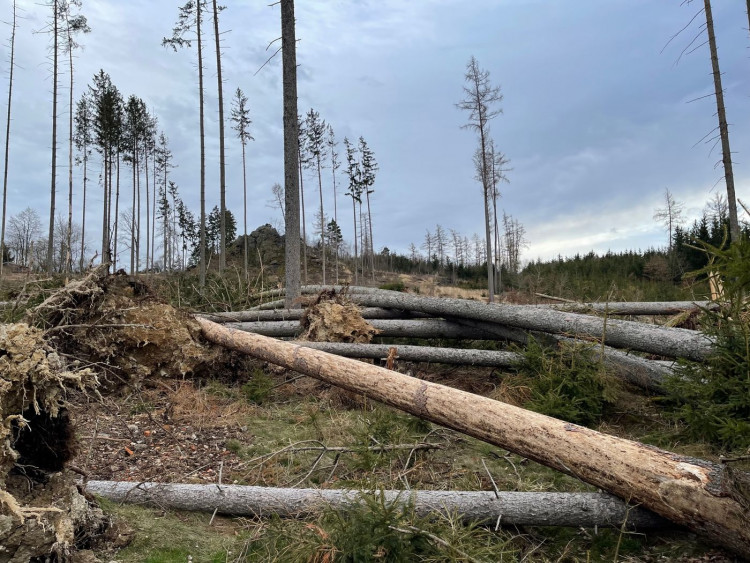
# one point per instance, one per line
(688, 491)
(620, 334)
(511, 508)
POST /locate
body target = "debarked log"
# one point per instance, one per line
(632, 307)
(674, 342)
(257, 315)
(469, 357)
(687, 491)
(644, 373)
(421, 328)
(505, 508)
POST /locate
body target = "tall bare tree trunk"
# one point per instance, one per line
(304, 221)
(222, 165)
(291, 154)
(202, 250)
(244, 208)
(322, 222)
(53, 186)
(83, 209)
(734, 225)
(7, 137)
(69, 234)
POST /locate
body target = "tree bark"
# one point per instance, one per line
(296, 314)
(202, 250)
(509, 508)
(721, 113)
(291, 157)
(398, 328)
(621, 334)
(7, 138)
(222, 165)
(631, 308)
(470, 357)
(688, 491)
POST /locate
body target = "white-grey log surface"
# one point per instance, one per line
(673, 342)
(256, 315)
(631, 307)
(469, 357)
(510, 508)
(420, 328)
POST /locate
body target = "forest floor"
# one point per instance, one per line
(265, 428)
(268, 426)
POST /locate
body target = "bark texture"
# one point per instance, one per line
(653, 339)
(296, 314)
(291, 158)
(488, 358)
(420, 328)
(691, 492)
(632, 308)
(511, 508)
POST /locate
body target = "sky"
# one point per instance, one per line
(601, 111)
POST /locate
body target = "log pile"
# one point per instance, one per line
(399, 315)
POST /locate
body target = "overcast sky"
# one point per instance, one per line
(597, 120)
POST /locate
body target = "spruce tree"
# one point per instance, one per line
(315, 129)
(7, 134)
(241, 119)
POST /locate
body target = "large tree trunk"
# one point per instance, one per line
(393, 328)
(698, 494)
(202, 250)
(490, 358)
(291, 158)
(633, 308)
(222, 166)
(53, 187)
(296, 314)
(621, 334)
(7, 138)
(509, 508)
(721, 113)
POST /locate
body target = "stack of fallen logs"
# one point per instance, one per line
(706, 497)
(399, 315)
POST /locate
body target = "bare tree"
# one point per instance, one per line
(291, 146)
(191, 13)
(515, 240)
(669, 216)
(222, 162)
(56, 11)
(277, 201)
(355, 192)
(721, 113)
(23, 229)
(7, 136)
(73, 25)
(480, 97)
(717, 209)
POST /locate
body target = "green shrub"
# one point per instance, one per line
(394, 286)
(713, 397)
(565, 382)
(258, 388)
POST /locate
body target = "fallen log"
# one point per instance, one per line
(421, 328)
(488, 358)
(631, 307)
(690, 492)
(646, 374)
(257, 315)
(504, 508)
(676, 342)
(641, 372)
